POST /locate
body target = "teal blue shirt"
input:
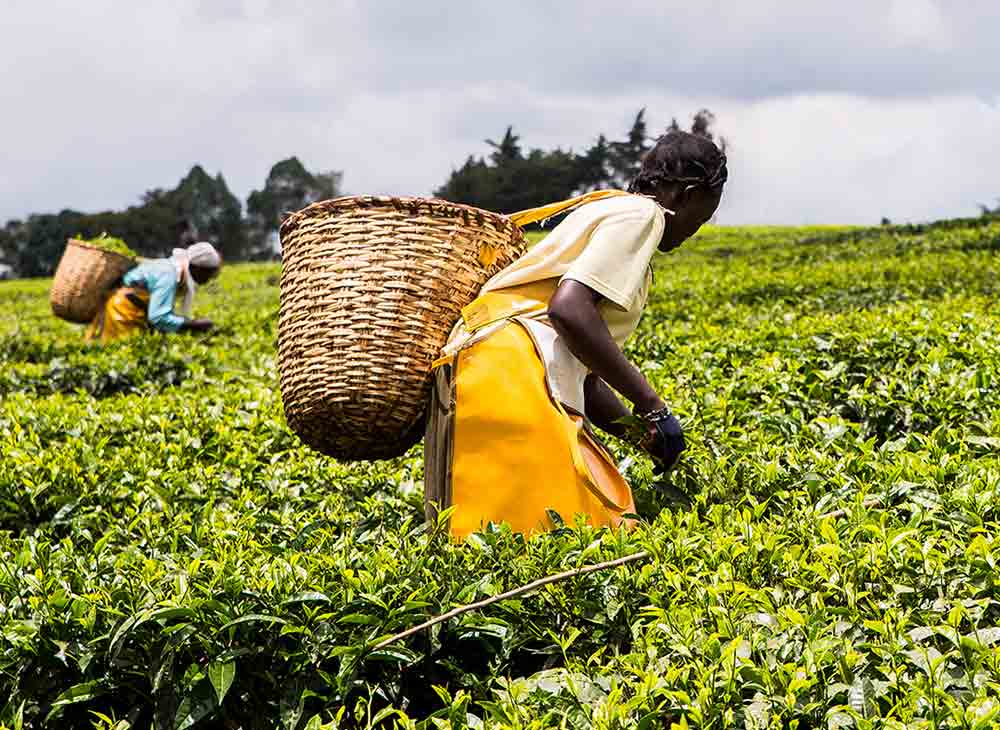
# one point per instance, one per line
(159, 278)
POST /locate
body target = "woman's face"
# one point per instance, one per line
(693, 208)
(202, 274)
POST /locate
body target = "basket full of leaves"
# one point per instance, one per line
(370, 289)
(86, 272)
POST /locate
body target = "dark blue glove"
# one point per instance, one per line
(667, 439)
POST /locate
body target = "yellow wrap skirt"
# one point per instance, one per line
(499, 448)
(123, 314)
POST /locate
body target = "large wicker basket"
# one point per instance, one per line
(83, 278)
(370, 289)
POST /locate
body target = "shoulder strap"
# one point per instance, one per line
(533, 215)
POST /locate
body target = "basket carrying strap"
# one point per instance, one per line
(492, 307)
(533, 215)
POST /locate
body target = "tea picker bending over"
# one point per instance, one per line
(537, 357)
(146, 297)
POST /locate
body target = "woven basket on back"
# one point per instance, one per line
(370, 289)
(83, 278)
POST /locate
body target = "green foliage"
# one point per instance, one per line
(289, 187)
(108, 243)
(171, 557)
(200, 203)
(511, 180)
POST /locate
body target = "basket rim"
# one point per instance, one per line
(82, 244)
(432, 205)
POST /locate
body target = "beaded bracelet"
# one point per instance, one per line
(660, 414)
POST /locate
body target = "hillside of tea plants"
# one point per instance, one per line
(824, 556)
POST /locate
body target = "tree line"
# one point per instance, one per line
(512, 179)
(202, 207)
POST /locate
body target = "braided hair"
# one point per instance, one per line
(681, 157)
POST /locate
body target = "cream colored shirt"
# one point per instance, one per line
(607, 245)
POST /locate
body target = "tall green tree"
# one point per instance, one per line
(35, 245)
(512, 180)
(201, 206)
(594, 166)
(214, 213)
(626, 156)
(288, 188)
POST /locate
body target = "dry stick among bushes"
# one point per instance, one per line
(583, 570)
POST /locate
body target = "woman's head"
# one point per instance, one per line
(196, 265)
(204, 262)
(685, 173)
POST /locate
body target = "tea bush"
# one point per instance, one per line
(172, 557)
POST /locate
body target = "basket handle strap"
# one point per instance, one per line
(533, 215)
(487, 309)
(495, 306)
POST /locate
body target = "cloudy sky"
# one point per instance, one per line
(839, 111)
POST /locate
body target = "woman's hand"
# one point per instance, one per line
(197, 325)
(665, 442)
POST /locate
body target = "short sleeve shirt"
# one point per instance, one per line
(159, 278)
(606, 245)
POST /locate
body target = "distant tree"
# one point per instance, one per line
(594, 166)
(214, 213)
(511, 180)
(8, 241)
(626, 157)
(473, 184)
(289, 187)
(507, 150)
(199, 208)
(35, 245)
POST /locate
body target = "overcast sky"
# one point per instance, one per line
(836, 112)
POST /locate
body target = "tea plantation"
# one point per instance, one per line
(171, 557)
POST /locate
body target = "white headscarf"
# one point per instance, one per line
(200, 254)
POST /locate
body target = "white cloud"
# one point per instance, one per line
(825, 159)
(836, 111)
(920, 23)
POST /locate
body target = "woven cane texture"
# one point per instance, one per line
(84, 276)
(370, 289)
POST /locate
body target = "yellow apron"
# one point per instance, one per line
(123, 314)
(499, 447)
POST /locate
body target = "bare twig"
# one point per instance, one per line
(641, 555)
(514, 592)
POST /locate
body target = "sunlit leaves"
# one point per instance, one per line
(170, 555)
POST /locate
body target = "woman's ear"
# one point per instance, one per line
(669, 195)
(683, 197)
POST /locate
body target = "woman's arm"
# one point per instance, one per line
(604, 409)
(162, 287)
(574, 315)
(196, 325)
